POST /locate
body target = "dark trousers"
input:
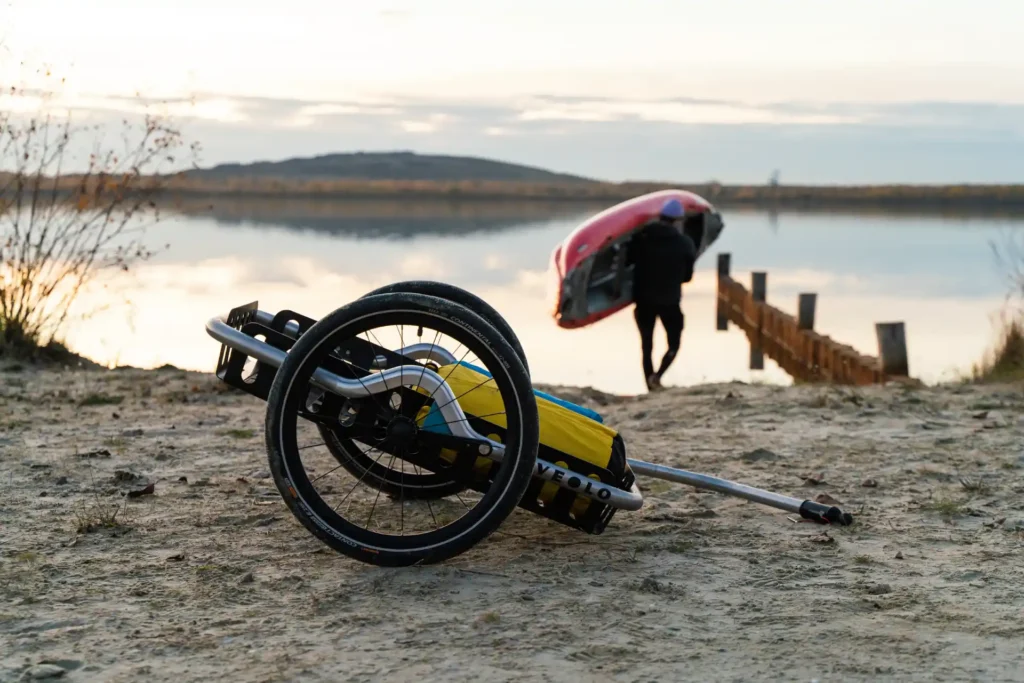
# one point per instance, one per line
(646, 314)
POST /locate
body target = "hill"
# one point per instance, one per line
(395, 166)
(429, 177)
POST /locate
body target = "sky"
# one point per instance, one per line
(871, 91)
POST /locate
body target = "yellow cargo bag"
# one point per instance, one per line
(561, 429)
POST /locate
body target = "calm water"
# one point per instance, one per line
(938, 275)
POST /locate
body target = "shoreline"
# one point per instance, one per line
(927, 198)
(987, 199)
(239, 206)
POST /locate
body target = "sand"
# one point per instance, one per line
(209, 577)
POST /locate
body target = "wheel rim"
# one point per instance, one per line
(464, 297)
(415, 484)
(339, 520)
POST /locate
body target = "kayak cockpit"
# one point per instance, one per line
(609, 275)
(599, 281)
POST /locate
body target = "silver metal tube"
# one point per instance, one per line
(412, 375)
(547, 471)
(291, 328)
(388, 380)
(703, 481)
(584, 486)
(425, 351)
(420, 351)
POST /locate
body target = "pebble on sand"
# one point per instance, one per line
(43, 671)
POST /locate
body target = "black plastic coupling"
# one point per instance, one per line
(825, 514)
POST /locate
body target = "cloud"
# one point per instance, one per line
(678, 139)
(308, 115)
(392, 14)
(418, 115)
(498, 131)
(679, 112)
(428, 125)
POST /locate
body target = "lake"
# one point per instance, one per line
(938, 275)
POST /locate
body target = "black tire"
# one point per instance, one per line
(416, 486)
(513, 475)
(443, 290)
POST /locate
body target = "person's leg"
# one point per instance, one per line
(672, 321)
(645, 317)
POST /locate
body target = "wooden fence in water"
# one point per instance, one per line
(791, 341)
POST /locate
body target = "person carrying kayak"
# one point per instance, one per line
(663, 258)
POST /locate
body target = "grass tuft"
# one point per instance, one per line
(1005, 362)
(945, 506)
(100, 514)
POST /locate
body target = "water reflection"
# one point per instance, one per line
(938, 275)
(394, 219)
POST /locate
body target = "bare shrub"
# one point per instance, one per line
(61, 226)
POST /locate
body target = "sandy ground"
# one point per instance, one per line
(211, 578)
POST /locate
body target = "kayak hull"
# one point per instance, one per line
(591, 278)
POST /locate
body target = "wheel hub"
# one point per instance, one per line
(401, 431)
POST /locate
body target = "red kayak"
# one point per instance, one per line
(592, 276)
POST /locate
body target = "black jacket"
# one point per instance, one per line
(664, 258)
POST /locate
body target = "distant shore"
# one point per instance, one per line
(783, 197)
(189, 191)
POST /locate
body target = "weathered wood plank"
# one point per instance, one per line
(790, 340)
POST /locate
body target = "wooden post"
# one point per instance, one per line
(805, 311)
(759, 293)
(723, 272)
(724, 260)
(759, 286)
(892, 349)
